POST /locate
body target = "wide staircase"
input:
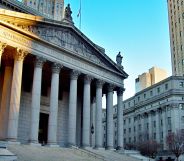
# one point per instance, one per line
(43, 153)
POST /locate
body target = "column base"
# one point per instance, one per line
(53, 145)
(34, 144)
(10, 142)
(110, 148)
(99, 148)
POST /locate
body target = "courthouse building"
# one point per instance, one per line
(152, 113)
(51, 75)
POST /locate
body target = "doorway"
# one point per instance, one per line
(43, 128)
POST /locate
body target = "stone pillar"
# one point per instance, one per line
(164, 129)
(157, 126)
(93, 112)
(15, 95)
(98, 120)
(120, 118)
(35, 104)
(2, 46)
(109, 121)
(53, 116)
(72, 118)
(150, 125)
(86, 112)
(143, 132)
(5, 103)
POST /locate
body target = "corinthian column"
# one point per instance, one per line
(109, 102)
(35, 104)
(15, 95)
(2, 46)
(86, 112)
(98, 121)
(120, 117)
(72, 118)
(5, 103)
(52, 129)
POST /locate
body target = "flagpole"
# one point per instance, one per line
(80, 16)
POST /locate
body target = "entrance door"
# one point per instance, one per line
(43, 128)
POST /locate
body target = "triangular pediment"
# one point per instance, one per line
(62, 35)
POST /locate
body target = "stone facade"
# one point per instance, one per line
(151, 113)
(176, 23)
(52, 77)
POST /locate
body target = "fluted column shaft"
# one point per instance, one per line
(98, 121)
(2, 46)
(157, 126)
(164, 128)
(109, 106)
(150, 125)
(86, 112)
(72, 118)
(120, 118)
(53, 115)
(36, 96)
(5, 103)
(15, 95)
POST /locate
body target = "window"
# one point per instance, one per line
(138, 98)
(158, 90)
(147, 125)
(144, 95)
(129, 120)
(166, 86)
(124, 122)
(154, 123)
(129, 130)
(134, 129)
(161, 122)
(124, 131)
(181, 84)
(169, 120)
(154, 136)
(151, 93)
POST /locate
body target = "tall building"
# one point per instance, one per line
(52, 8)
(147, 79)
(151, 113)
(176, 24)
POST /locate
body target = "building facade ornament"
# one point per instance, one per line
(39, 62)
(56, 68)
(99, 83)
(120, 91)
(20, 54)
(2, 47)
(74, 74)
(88, 79)
(110, 88)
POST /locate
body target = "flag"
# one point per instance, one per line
(79, 13)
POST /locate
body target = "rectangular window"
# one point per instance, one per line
(181, 84)
(158, 90)
(129, 120)
(151, 93)
(169, 120)
(166, 86)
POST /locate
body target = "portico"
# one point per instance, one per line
(57, 71)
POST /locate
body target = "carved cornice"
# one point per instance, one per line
(56, 68)
(39, 62)
(74, 74)
(2, 47)
(20, 54)
(87, 79)
(99, 83)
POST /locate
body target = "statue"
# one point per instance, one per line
(119, 59)
(68, 12)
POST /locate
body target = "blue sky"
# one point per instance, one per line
(137, 28)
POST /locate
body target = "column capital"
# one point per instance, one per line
(39, 62)
(99, 83)
(74, 74)
(110, 88)
(20, 54)
(88, 79)
(120, 91)
(2, 47)
(56, 68)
